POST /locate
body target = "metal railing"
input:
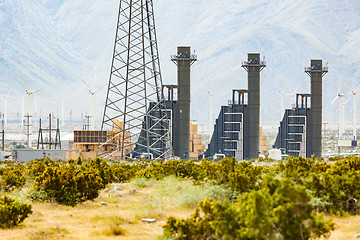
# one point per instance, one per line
(184, 57)
(316, 69)
(255, 62)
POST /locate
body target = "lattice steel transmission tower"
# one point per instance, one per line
(135, 121)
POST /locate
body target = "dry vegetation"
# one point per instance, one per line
(120, 217)
(118, 211)
(125, 209)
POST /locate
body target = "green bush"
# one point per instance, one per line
(12, 213)
(12, 178)
(70, 184)
(280, 210)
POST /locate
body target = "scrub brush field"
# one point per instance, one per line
(205, 200)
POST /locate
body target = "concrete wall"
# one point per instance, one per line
(28, 155)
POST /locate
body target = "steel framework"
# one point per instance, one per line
(135, 106)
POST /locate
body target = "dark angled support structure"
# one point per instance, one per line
(316, 71)
(181, 139)
(254, 66)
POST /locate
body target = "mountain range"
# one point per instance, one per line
(56, 43)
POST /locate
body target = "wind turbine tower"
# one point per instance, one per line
(354, 93)
(29, 93)
(5, 108)
(341, 110)
(92, 93)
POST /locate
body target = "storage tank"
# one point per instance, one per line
(275, 154)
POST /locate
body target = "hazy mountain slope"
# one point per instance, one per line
(60, 41)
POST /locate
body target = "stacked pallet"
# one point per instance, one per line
(196, 146)
(263, 148)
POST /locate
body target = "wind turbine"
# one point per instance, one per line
(92, 93)
(283, 94)
(353, 92)
(5, 108)
(22, 107)
(29, 93)
(211, 117)
(340, 96)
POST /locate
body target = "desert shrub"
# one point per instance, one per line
(335, 188)
(104, 170)
(12, 213)
(280, 210)
(123, 172)
(12, 178)
(70, 184)
(39, 195)
(37, 167)
(339, 186)
(88, 183)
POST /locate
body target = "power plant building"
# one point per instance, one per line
(300, 131)
(237, 128)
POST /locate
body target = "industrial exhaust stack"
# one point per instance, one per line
(184, 59)
(316, 71)
(254, 66)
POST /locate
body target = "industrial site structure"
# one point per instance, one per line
(134, 94)
(237, 128)
(49, 141)
(300, 131)
(181, 137)
(86, 142)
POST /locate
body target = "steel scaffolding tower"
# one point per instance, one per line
(134, 115)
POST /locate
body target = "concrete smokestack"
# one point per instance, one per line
(316, 71)
(184, 59)
(254, 66)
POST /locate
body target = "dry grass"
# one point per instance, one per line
(122, 215)
(121, 218)
(345, 228)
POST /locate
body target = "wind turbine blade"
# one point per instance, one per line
(37, 90)
(347, 101)
(28, 88)
(8, 94)
(87, 85)
(352, 89)
(278, 97)
(297, 88)
(210, 88)
(217, 95)
(334, 100)
(18, 92)
(100, 89)
(262, 80)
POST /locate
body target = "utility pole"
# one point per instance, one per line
(50, 130)
(28, 133)
(3, 136)
(87, 123)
